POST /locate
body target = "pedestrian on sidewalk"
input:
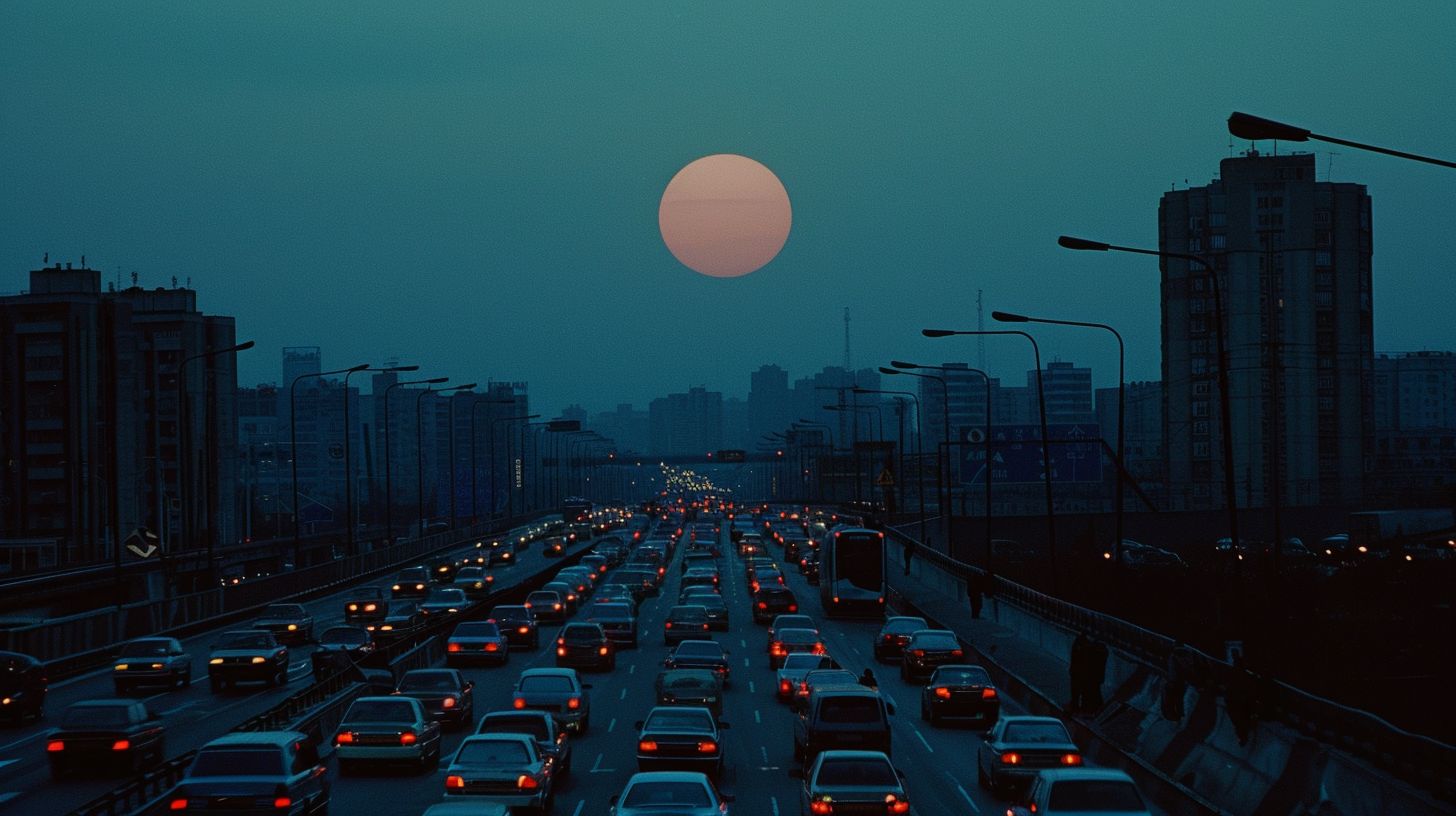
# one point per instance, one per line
(910, 545)
(1096, 673)
(1077, 671)
(1240, 700)
(975, 587)
(1175, 686)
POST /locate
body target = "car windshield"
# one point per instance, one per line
(446, 596)
(1035, 732)
(659, 794)
(402, 608)
(877, 772)
(347, 635)
(611, 612)
(283, 611)
(470, 573)
(414, 574)
(678, 719)
(771, 594)
(961, 677)
(900, 626)
(850, 710)
(429, 681)
(379, 711)
(238, 760)
(533, 727)
(1093, 796)
(493, 752)
(543, 598)
(689, 681)
(804, 662)
(578, 633)
(512, 613)
(546, 683)
(797, 635)
(97, 716)
(145, 648)
(479, 629)
(246, 641)
(831, 677)
(938, 642)
(369, 593)
(699, 648)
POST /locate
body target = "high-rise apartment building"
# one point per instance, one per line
(1415, 428)
(1292, 259)
(690, 423)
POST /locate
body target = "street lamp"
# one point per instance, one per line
(388, 481)
(1254, 128)
(293, 444)
(1046, 467)
(510, 491)
(942, 478)
(1225, 413)
(919, 445)
(1011, 317)
(184, 438)
(420, 448)
(474, 465)
(829, 434)
(348, 469)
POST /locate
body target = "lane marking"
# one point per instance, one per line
(597, 764)
(580, 803)
(750, 687)
(967, 797)
(745, 663)
(4, 762)
(773, 802)
(611, 725)
(743, 643)
(24, 740)
(921, 737)
(6, 797)
(756, 717)
(632, 669)
(623, 695)
(170, 711)
(764, 751)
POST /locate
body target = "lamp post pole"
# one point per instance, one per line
(1010, 317)
(1255, 128)
(1046, 467)
(474, 458)
(293, 446)
(348, 462)
(919, 444)
(490, 449)
(420, 448)
(829, 434)
(388, 479)
(942, 478)
(184, 463)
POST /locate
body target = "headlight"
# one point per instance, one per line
(293, 627)
(388, 627)
(156, 665)
(121, 666)
(260, 660)
(216, 661)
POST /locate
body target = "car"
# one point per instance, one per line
(925, 650)
(364, 604)
(387, 730)
(550, 737)
(568, 594)
(617, 592)
(500, 552)
(444, 602)
(585, 645)
(716, 608)
(445, 693)
(281, 768)
(442, 570)
(788, 622)
(105, 736)
(789, 641)
(508, 769)
(962, 691)
(700, 654)
(595, 562)
(158, 661)
(616, 619)
(289, 623)
(893, 635)
(23, 687)
(477, 642)
(354, 642)
(401, 620)
(1017, 748)
(466, 808)
(547, 606)
(764, 578)
(1081, 791)
(809, 567)
(644, 581)
(698, 559)
(680, 793)
(790, 675)
(793, 546)
(582, 579)
(559, 692)
(690, 687)
(852, 782)
(821, 678)
(247, 655)
(518, 623)
(749, 544)
(680, 738)
(553, 546)
(475, 582)
(772, 601)
(684, 622)
(842, 718)
(411, 582)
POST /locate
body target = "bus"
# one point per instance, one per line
(852, 573)
(576, 510)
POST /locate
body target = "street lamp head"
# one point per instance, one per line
(1255, 128)
(243, 346)
(936, 332)
(360, 367)
(903, 364)
(1009, 317)
(888, 370)
(1068, 242)
(437, 380)
(393, 369)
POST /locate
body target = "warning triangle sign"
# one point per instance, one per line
(886, 479)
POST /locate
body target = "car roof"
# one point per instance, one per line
(1100, 774)
(841, 753)
(279, 739)
(467, 809)
(501, 736)
(549, 672)
(669, 776)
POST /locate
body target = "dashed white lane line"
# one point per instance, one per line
(921, 737)
(596, 765)
(745, 663)
(743, 643)
(967, 797)
(4, 762)
(750, 688)
(764, 751)
(611, 725)
(623, 695)
(632, 669)
(6, 797)
(773, 802)
(581, 803)
(24, 740)
(170, 711)
(758, 718)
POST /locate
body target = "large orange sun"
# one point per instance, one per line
(724, 215)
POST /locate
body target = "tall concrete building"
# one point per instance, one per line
(689, 423)
(1068, 394)
(1415, 429)
(1292, 258)
(1143, 437)
(770, 406)
(627, 426)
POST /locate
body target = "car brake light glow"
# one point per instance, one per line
(519, 702)
(988, 693)
(762, 605)
(449, 702)
(1011, 758)
(793, 607)
(492, 646)
(177, 804)
(943, 693)
(784, 687)
(707, 747)
(602, 650)
(282, 803)
(956, 653)
(452, 647)
(453, 782)
(1071, 759)
(561, 651)
(121, 745)
(344, 738)
(408, 738)
(573, 703)
(820, 806)
(894, 804)
(55, 745)
(918, 652)
(524, 630)
(646, 746)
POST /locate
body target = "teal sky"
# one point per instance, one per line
(473, 186)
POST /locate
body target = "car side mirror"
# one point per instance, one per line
(796, 773)
(613, 800)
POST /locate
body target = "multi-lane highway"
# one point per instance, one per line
(192, 716)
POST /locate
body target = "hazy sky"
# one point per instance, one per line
(474, 186)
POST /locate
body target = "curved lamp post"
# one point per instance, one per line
(184, 463)
(348, 462)
(293, 444)
(1255, 128)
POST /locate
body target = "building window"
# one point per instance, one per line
(1322, 258)
(1326, 403)
(1217, 241)
(1195, 244)
(1200, 450)
(1198, 365)
(1200, 389)
(1200, 427)
(1200, 408)
(1325, 299)
(1195, 306)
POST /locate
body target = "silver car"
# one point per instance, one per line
(681, 793)
(504, 768)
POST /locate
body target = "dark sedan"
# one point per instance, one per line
(617, 620)
(412, 582)
(477, 642)
(354, 642)
(401, 620)
(925, 650)
(106, 735)
(894, 634)
(791, 641)
(546, 605)
(247, 654)
(690, 687)
(772, 601)
(518, 623)
(22, 687)
(151, 662)
(680, 738)
(1017, 748)
(700, 654)
(289, 623)
(447, 696)
(585, 645)
(960, 691)
(364, 604)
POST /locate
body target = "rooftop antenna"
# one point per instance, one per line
(980, 327)
(133, 278)
(847, 367)
(1330, 166)
(45, 259)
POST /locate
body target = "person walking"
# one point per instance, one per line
(1096, 673)
(910, 546)
(975, 587)
(1077, 671)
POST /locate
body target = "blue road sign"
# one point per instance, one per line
(1075, 453)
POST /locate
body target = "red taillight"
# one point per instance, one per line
(524, 782)
(918, 652)
(525, 630)
(943, 693)
(894, 804)
(705, 626)
(762, 605)
(777, 648)
(784, 687)
(602, 650)
(344, 738)
(408, 738)
(492, 647)
(282, 803)
(707, 747)
(574, 703)
(449, 702)
(454, 783)
(55, 745)
(988, 694)
(647, 746)
(177, 804)
(819, 648)
(1011, 758)
(793, 607)
(561, 651)
(1071, 759)
(557, 607)
(518, 702)
(667, 625)
(452, 647)
(819, 806)
(121, 745)
(956, 653)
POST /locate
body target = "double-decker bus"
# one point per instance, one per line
(576, 510)
(852, 573)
